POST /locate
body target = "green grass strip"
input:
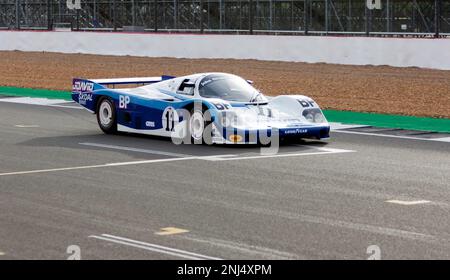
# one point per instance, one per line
(40, 93)
(389, 121)
(346, 117)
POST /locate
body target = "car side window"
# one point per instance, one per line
(186, 87)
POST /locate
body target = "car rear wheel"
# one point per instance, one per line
(106, 116)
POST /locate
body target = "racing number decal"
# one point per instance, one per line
(305, 103)
(170, 122)
(169, 117)
(124, 101)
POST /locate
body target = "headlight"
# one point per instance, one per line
(319, 118)
(223, 119)
(313, 115)
(228, 118)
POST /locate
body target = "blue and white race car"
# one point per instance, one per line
(200, 108)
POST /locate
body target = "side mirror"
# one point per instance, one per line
(250, 82)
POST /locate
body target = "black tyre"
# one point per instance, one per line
(106, 116)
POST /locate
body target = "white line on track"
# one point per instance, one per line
(138, 150)
(445, 139)
(224, 156)
(68, 107)
(153, 247)
(60, 103)
(407, 203)
(227, 157)
(337, 126)
(322, 151)
(26, 125)
(35, 101)
(95, 166)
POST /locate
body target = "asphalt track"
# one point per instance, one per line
(63, 182)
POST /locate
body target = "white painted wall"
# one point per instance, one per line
(427, 53)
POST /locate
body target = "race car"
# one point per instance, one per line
(200, 108)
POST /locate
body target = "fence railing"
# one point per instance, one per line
(304, 17)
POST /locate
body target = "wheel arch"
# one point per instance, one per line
(100, 97)
(191, 105)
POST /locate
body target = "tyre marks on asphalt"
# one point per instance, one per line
(240, 248)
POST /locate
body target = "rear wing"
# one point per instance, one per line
(129, 81)
(83, 90)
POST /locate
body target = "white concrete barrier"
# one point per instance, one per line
(426, 53)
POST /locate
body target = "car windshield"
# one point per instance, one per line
(228, 87)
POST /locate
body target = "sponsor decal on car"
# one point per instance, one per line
(124, 100)
(81, 86)
(296, 131)
(84, 97)
(149, 124)
(84, 90)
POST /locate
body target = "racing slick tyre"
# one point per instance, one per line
(198, 125)
(106, 116)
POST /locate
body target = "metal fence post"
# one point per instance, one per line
(201, 16)
(292, 14)
(114, 15)
(270, 15)
(327, 15)
(306, 16)
(437, 17)
(220, 14)
(17, 14)
(388, 16)
(250, 11)
(78, 19)
(175, 14)
(156, 15)
(366, 19)
(133, 13)
(49, 15)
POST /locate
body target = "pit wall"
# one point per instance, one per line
(425, 53)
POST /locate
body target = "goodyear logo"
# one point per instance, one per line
(296, 131)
